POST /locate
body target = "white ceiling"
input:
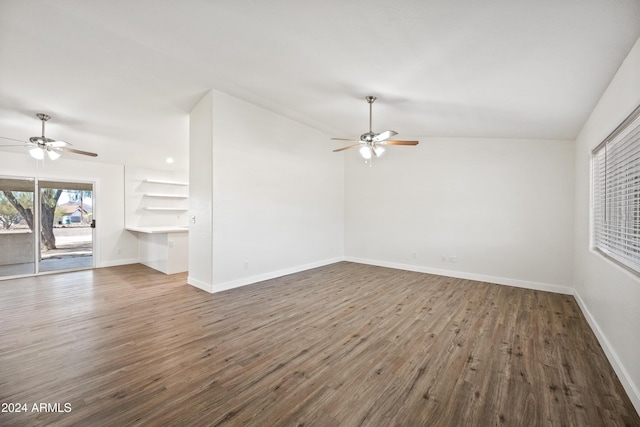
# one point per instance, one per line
(119, 77)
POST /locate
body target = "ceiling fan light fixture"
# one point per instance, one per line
(37, 153)
(53, 155)
(365, 152)
(378, 151)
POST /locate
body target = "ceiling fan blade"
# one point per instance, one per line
(12, 139)
(392, 142)
(346, 148)
(58, 144)
(384, 135)
(345, 139)
(73, 150)
(14, 145)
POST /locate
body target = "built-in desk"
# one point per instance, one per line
(164, 248)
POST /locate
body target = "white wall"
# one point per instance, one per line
(608, 294)
(277, 194)
(108, 206)
(502, 208)
(200, 188)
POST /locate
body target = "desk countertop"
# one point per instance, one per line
(159, 229)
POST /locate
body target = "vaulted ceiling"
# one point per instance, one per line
(120, 77)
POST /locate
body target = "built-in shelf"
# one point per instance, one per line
(162, 181)
(157, 204)
(166, 196)
(164, 209)
(169, 195)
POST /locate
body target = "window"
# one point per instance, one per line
(616, 194)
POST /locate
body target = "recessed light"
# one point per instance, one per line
(169, 160)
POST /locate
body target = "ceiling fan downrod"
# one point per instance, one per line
(44, 118)
(368, 137)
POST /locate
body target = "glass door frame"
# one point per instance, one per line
(37, 224)
(64, 184)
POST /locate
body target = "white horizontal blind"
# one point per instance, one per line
(616, 194)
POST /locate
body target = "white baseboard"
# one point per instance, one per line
(212, 288)
(469, 276)
(631, 388)
(218, 287)
(116, 262)
(199, 284)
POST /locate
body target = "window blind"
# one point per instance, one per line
(616, 194)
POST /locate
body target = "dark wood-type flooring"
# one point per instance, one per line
(341, 345)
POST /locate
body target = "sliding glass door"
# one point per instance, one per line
(17, 221)
(58, 235)
(66, 219)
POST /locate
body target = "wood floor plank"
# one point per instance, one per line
(341, 345)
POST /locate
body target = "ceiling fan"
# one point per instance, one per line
(41, 144)
(372, 144)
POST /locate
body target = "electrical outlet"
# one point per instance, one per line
(119, 250)
(246, 265)
(453, 259)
